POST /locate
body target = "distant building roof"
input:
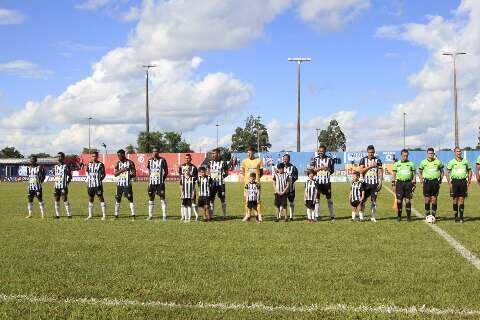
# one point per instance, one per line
(26, 161)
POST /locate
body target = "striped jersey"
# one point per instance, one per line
(310, 189)
(36, 176)
(204, 185)
(356, 189)
(371, 176)
(124, 178)
(62, 175)
(218, 171)
(323, 176)
(158, 170)
(192, 169)
(292, 171)
(281, 181)
(188, 187)
(95, 174)
(253, 191)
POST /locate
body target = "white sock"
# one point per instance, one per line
(309, 214)
(317, 210)
(224, 209)
(292, 209)
(57, 208)
(90, 209)
(117, 209)
(182, 212)
(132, 208)
(360, 214)
(104, 209)
(42, 209)
(280, 212)
(354, 215)
(151, 205)
(212, 208)
(164, 208)
(194, 208)
(330, 208)
(30, 208)
(67, 208)
(189, 213)
(374, 210)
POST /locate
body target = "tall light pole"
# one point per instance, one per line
(89, 125)
(318, 133)
(147, 68)
(404, 130)
(299, 62)
(217, 125)
(455, 93)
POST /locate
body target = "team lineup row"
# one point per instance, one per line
(367, 181)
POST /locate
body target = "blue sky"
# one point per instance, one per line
(352, 69)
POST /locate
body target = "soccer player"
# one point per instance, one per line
(252, 197)
(36, 176)
(324, 167)
(403, 182)
(187, 191)
(478, 170)
(281, 186)
(252, 165)
(310, 195)
(188, 165)
(218, 170)
(459, 176)
(204, 193)
(357, 194)
(62, 177)
(95, 175)
(124, 172)
(292, 171)
(430, 173)
(157, 172)
(372, 171)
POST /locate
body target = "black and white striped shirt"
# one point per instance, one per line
(281, 180)
(371, 176)
(323, 176)
(36, 176)
(158, 170)
(253, 191)
(62, 175)
(292, 171)
(188, 187)
(95, 174)
(356, 189)
(124, 178)
(204, 184)
(218, 171)
(192, 169)
(310, 189)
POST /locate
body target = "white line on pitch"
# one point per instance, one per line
(381, 309)
(467, 254)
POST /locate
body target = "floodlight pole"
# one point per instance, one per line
(404, 130)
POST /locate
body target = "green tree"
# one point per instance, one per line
(130, 149)
(175, 143)
(165, 141)
(41, 155)
(250, 135)
(333, 137)
(10, 152)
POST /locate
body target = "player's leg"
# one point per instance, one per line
(189, 209)
(151, 201)
(183, 211)
(103, 206)
(194, 207)
(30, 196)
(317, 204)
(276, 203)
(39, 196)
(212, 200)
(56, 198)
(129, 196)
(118, 201)
(373, 203)
(291, 202)
(427, 194)
(163, 202)
(455, 195)
(330, 202)
(408, 200)
(248, 206)
(91, 198)
(66, 203)
(222, 200)
(399, 193)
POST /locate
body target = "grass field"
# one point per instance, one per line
(348, 270)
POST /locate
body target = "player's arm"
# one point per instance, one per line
(379, 174)
(470, 173)
(331, 166)
(414, 176)
(117, 171)
(289, 183)
(394, 176)
(245, 191)
(361, 166)
(69, 174)
(447, 174)
(420, 172)
(442, 172)
(258, 192)
(305, 193)
(133, 171)
(43, 174)
(195, 173)
(350, 196)
(294, 174)
(362, 197)
(102, 172)
(165, 170)
(273, 183)
(225, 169)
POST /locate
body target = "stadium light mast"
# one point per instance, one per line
(217, 125)
(89, 125)
(404, 130)
(318, 134)
(147, 68)
(299, 62)
(455, 93)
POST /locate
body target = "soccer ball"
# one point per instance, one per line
(430, 219)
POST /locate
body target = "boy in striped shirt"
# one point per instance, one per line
(62, 178)
(310, 196)
(252, 198)
(95, 175)
(36, 176)
(204, 192)
(187, 191)
(356, 197)
(124, 172)
(281, 185)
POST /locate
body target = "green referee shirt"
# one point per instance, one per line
(459, 169)
(405, 170)
(431, 169)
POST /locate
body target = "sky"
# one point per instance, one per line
(219, 61)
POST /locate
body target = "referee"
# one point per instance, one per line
(403, 183)
(430, 172)
(459, 176)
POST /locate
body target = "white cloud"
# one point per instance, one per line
(331, 14)
(75, 46)
(92, 4)
(8, 16)
(25, 69)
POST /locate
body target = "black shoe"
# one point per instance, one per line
(69, 217)
(57, 217)
(133, 217)
(399, 218)
(276, 220)
(409, 219)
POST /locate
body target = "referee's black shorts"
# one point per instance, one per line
(431, 187)
(403, 189)
(459, 188)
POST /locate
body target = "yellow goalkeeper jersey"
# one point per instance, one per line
(249, 166)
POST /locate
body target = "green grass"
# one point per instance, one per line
(230, 261)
